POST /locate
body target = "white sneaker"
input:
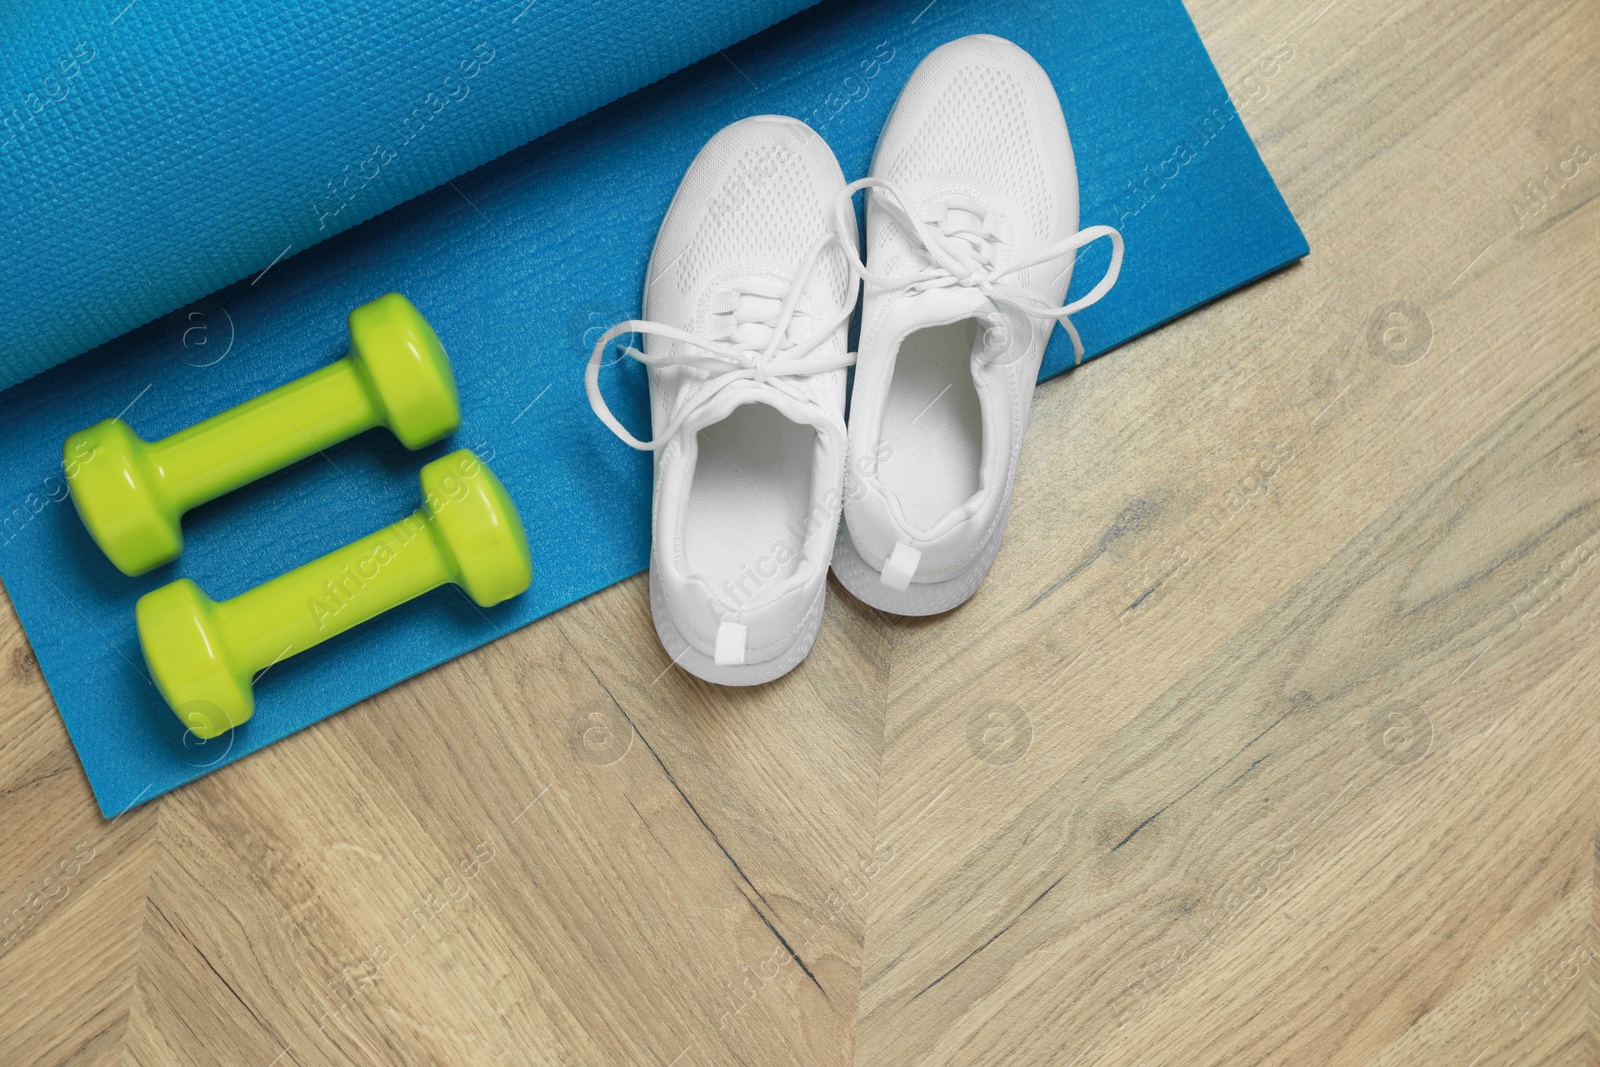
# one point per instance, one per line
(972, 223)
(749, 294)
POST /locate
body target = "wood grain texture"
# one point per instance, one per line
(1270, 740)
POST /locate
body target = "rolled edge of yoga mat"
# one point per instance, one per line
(151, 153)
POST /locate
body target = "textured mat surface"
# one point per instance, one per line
(161, 150)
(520, 265)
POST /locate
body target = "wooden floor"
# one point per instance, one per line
(1272, 738)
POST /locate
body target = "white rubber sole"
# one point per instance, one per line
(703, 666)
(920, 598)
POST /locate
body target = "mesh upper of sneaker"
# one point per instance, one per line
(977, 130)
(756, 200)
(766, 211)
(979, 116)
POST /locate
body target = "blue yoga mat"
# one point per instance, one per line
(520, 265)
(160, 149)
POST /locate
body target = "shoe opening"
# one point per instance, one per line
(750, 511)
(932, 423)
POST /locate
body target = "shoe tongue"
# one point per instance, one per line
(935, 307)
(738, 394)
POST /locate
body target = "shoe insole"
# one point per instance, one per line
(748, 502)
(932, 423)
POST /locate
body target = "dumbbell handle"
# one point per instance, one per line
(348, 586)
(264, 434)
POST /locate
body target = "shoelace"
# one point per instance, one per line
(961, 252)
(752, 343)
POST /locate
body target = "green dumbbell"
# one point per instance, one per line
(131, 494)
(202, 654)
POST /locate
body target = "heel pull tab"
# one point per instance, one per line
(900, 566)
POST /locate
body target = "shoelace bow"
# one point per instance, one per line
(753, 325)
(961, 253)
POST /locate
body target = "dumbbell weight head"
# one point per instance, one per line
(190, 661)
(116, 486)
(406, 372)
(480, 533)
(202, 654)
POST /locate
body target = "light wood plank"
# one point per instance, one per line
(1270, 740)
